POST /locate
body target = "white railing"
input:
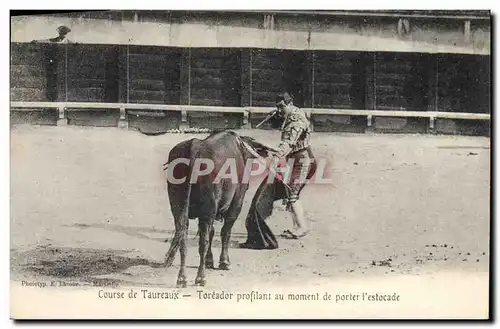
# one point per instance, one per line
(63, 107)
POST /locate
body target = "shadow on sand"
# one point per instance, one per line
(75, 263)
(83, 264)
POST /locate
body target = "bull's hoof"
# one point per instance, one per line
(200, 282)
(182, 283)
(209, 265)
(224, 266)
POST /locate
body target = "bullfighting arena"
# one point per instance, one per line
(409, 214)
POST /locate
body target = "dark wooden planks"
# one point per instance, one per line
(275, 71)
(267, 76)
(86, 73)
(154, 75)
(401, 81)
(464, 83)
(339, 80)
(215, 77)
(29, 68)
(245, 77)
(214, 120)
(154, 121)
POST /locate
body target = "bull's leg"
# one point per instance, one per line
(209, 261)
(224, 262)
(181, 278)
(231, 216)
(205, 226)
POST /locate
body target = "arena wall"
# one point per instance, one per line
(235, 60)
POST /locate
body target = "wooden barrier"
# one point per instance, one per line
(63, 107)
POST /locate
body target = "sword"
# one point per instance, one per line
(269, 116)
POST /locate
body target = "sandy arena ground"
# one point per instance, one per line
(90, 204)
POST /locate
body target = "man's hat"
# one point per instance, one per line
(284, 97)
(63, 30)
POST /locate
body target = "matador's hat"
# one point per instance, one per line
(63, 30)
(284, 97)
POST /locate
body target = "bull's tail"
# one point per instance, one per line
(181, 227)
(181, 222)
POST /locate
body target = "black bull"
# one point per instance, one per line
(208, 200)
